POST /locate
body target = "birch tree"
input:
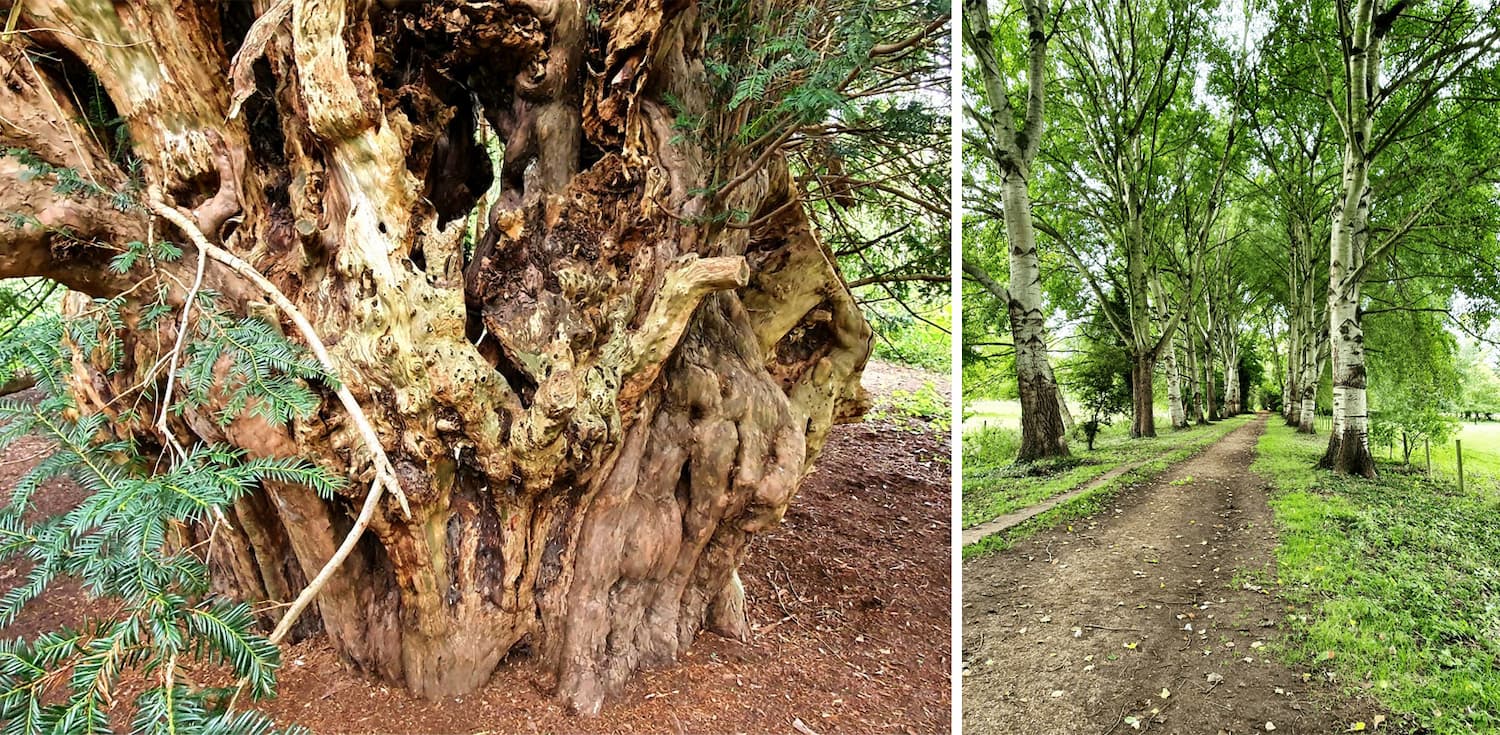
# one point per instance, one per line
(1127, 78)
(1376, 97)
(1012, 141)
(1293, 140)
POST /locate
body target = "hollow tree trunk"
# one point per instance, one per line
(590, 416)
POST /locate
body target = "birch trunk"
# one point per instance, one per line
(1143, 417)
(1174, 387)
(1348, 442)
(1043, 427)
(1144, 349)
(1232, 399)
(1195, 376)
(1307, 401)
(1289, 395)
(1294, 381)
(1311, 376)
(1043, 432)
(1176, 412)
(1210, 390)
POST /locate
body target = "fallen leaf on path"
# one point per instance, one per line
(1270, 726)
(1164, 693)
(1356, 727)
(1133, 721)
(800, 726)
(1215, 678)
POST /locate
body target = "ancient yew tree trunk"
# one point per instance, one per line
(590, 409)
(1014, 148)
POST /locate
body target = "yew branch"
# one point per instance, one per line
(384, 471)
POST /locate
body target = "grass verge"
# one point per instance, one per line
(1163, 452)
(1397, 581)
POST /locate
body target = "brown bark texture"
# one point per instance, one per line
(1143, 396)
(591, 408)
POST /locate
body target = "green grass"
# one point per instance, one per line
(994, 486)
(1164, 451)
(1398, 580)
(925, 409)
(902, 338)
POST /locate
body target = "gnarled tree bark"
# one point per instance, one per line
(590, 414)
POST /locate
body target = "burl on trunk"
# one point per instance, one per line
(590, 409)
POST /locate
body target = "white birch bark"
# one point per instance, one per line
(1043, 430)
(1174, 388)
(1348, 442)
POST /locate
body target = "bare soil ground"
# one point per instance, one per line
(849, 600)
(1156, 615)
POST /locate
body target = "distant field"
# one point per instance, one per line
(978, 414)
(1481, 442)
(985, 413)
(1481, 456)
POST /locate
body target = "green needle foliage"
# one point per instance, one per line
(856, 94)
(128, 540)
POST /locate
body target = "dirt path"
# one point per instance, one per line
(1160, 594)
